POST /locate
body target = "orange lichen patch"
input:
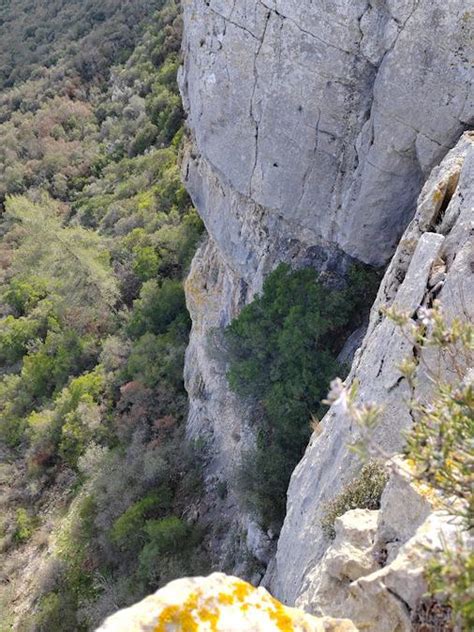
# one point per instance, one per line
(174, 616)
(188, 616)
(207, 615)
(280, 617)
(201, 611)
(225, 599)
(242, 590)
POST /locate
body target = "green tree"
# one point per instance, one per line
(282, 349)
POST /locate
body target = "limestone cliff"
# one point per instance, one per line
(313, 127)
(434, 260)
(319, 121)
(322, 131)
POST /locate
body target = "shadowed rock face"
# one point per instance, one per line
(314, 124)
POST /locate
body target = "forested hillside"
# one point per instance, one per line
(81, 37)
(96, 236)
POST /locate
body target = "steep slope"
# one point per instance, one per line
(371, 574)
(313, 128)
(96, 235)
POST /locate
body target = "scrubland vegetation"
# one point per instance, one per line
(96, 236)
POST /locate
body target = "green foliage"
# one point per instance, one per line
(129, 527)
(283, 349)
(25, 526)
(80, 36)
(72, 261)
(15, 336)
(160, 324)
(440, 447)
(146, 263)
(74, 582)
(64, 431)
(158, 307)
(363, 492)
(144, 139)
(168, 536)
(96, 238)
(23, 295)
(263, 480)
(157, 359)
(441, 444)
(55, 612)
(47, 369)
(452, 574)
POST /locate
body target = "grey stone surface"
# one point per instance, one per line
(378, 593)
(313, 126)
(441, 232)
(320, 120)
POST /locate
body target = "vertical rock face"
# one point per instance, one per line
(435, 259)
(313, 125)
(320, 120)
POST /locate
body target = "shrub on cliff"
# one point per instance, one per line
(363, 492)
(283, 351)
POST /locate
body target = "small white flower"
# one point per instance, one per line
(338, 395)
(426, 316)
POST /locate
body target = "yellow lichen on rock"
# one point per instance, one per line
(217, 603)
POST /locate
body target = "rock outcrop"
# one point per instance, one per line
(374, 571)
(435, 259)
(218, 603)
(313, 126)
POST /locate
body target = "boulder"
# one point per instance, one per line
(218, 603)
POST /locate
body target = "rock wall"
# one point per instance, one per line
(435, 259)
(313, 126)
(373, 571)
(319, 120)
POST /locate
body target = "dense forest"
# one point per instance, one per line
(96, 236)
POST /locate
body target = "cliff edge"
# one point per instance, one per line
(313, 126)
